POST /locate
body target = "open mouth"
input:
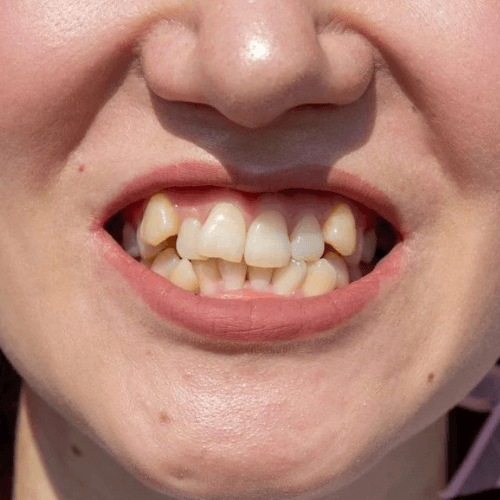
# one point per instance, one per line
(225, 244)
(236, 265)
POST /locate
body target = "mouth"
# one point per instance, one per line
(259, 266)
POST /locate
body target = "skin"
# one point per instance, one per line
(94, 93)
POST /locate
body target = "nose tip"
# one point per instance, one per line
(253, 60)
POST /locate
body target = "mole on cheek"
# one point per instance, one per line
(430, 377)
(76, 451)
(164, 418)
(81, 168)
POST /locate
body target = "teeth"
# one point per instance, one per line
(259, 277)
(146, 251)
(287, 279)
(208, 275)
(187, 240)
(307, 241)
(321, 278)
(183, 276)
(340, 229)
(267, 241)
(129, 238)
(160, 220)
(340, 267)
(355, 258)
(165, 262)
(223, 234)
(369, 246)
(233, 274)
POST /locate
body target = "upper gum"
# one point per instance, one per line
(197, 203)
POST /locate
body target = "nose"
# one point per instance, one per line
(253, 60)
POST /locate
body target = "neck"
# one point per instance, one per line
(54, 461)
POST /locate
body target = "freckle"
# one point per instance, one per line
(180, 473)
(76, 451)
(164, 418)
(81, 168)
(430, 377)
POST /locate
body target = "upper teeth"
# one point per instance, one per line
(218, 254)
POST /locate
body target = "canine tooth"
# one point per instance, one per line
(355, 258)
(223, 234)
(340, 267)
(165, 262)
(369, 246)
(208, 275)
(340, 229)
(321, 278)
(149, 252)
(187, 240)
(307, 241)
(259, 277)
(287, 279)
(160, 220)
(129, 239)
(233, 274)
(267, 241)
(183, 276)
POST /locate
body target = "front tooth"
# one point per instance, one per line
(165, 262)
(223, 234)
(340, 229)
(159, 221)
(187, 240)
(267, 241)
(233, 274)
(340, 267)
(183, 276)
(259, 277)
(369, 246)
(129, 238)
(208, 275)
(355, 258)
(321, 278)
(287, 279)
(307, 241)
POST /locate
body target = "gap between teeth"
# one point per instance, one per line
(222, 254)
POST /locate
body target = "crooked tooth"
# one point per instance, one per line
(321, 278)
(340, 229)
(267, 241)
(183, 276)
(259, 277)
(340, 267)
(129, 238)
(369, 246)
(187, 240)
(223, 234)
(149, 252)
(165, 262)
(287, 280)
(307, 241)
(159, 221)
(233, 274)
(355, 258)
(208, 275)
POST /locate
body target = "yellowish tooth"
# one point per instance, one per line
(165, 262)
(149, 252)
(287, 280)
(340, 267)
(223, 234)
(187, 240)
(321, 278)
(233, 274)
(159, 221)
(369, 246)
(208, 275)
(129, 239)
(340, 229)
(307, 241)
(355, 258)
(183, 276)
(267, 241)
(259, 277)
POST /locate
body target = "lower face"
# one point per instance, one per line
(197, 382)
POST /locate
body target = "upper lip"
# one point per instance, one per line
(196, 173)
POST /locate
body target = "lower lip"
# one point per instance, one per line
(250, 319)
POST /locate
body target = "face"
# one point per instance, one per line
(391, 108)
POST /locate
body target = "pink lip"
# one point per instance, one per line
(256, 320)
